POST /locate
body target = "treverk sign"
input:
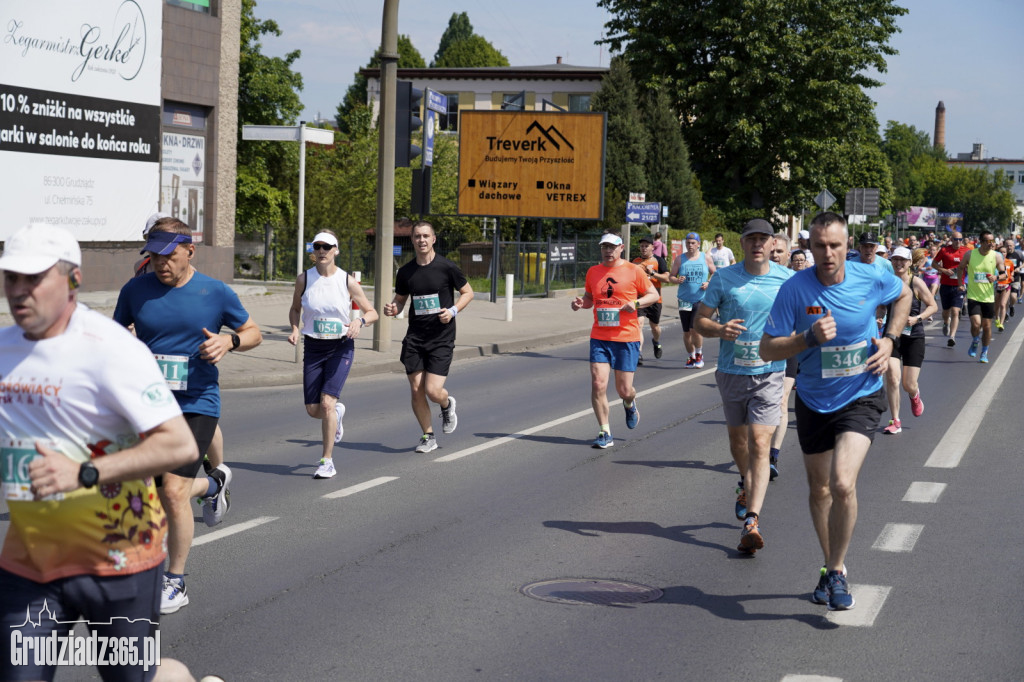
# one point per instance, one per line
(531, 164)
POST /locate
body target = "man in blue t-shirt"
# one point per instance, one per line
(751, 388)
(178, 313)
(826, 316)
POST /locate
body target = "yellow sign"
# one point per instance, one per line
(531, 164)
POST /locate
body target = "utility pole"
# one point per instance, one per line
(384, 248)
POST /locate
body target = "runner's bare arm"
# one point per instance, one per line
(295, 312)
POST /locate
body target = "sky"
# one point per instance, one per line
(965, 54)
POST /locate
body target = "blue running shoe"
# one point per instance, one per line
(632, 415)
(983, 358)
(604, 440)
(973, 350)
(773, 468)
(839, 597)
(741, 503)
(820, 593)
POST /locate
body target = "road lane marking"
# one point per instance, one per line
(231, 530)
(810, 678)
(898, 537)
(921, 491)
(952, 446)
(495, 442)
(352, 490)
(869, 600)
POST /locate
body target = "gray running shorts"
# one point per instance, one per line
(747, 399)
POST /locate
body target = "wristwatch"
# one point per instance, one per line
(88, 476)
(892, 337)
(236, 341)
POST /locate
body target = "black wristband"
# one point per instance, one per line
(810, 339)
(236, 341)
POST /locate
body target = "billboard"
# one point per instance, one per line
(531, 164)
(920, 216)
(80, 115)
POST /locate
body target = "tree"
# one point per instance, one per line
(762, 86)
(909, 152)
(355, 97)
(984, 198)
(669, 177)
(627, 141)
(473, 51)
(267, 95)
(458, 29)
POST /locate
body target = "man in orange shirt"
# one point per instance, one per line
(657, 270)
(615, 289)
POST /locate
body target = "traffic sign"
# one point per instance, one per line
(649, 212)
(437, 102)
(430, 122)
(862, 201)
(824, 200)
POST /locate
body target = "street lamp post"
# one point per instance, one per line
(386, 174)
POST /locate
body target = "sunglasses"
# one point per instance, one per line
(320, 246)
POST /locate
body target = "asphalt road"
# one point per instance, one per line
(409, 567)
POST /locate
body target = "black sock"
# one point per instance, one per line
(751, 515)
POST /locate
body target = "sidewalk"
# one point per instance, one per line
(482, 330)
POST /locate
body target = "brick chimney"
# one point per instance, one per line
(939, 142)
(558, 60)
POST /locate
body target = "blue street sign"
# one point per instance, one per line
(649, 212)
(437, 102)
(396, 250)
(429, 125)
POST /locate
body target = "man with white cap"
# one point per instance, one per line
(432, 281)
(804, 242)
(615, 289)
(179, 312)
(77, 393)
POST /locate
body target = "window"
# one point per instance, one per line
(450, 120)
(194, 5)
(1020, 177)
(513, 101)
(579, 102)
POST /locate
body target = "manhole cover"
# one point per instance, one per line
(591, 591)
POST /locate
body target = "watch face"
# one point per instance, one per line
(88, 475)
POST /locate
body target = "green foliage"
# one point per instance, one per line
(762, 86)
(984, 198)
(356, 96)
(669, 177)
(909, 153)
(458, 29)
(267, 95)
(473, 51)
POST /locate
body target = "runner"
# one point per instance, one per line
(1003, 292)
(432, 281)
(178, 312)
(691, 270)
(615, 289)
(804, 242)
(721, 255)
(72, 456)
(951, 294)
(751, 388)
(870, 252)
(797, 260)
(983, 267)
(781, 255)
(656, 269)
(826, 316)
(908, 353)
(323, 298)
(928, 272)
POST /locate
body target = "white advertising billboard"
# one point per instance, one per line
(80, 115)
(182, 189)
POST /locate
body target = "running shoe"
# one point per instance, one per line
(820, 593)
(999, 326)
(895, 426)
(339, 411)
(698, 361)
(773, 468)
(632, 414)
(427, 443)
(916, 405)
(173, 595)
(690, 361)
(750, 538)
(973, 350)
(449, 420)
(326, 468)
(839, 597)
(217, 505)
(603, 440)
(950, 342)
(658, 351)
(741, 503)
(1011, 311)
(945, 328)
(984, 357)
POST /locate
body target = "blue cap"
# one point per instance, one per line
(693, 235)
(164, 243)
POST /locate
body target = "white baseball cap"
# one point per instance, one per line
(804, 234)
(38, 247)
(611, 239)
(901, 252)
(151, 221)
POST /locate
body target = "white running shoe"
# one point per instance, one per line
(449, 420)
(427, 443)
(173, 596)
(339, 410)
(326, 468)
(215, 507)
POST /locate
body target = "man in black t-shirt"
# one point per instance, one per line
(431, 280)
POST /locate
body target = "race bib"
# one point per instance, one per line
(747, 354)
(685, 305)
(981, 277)
(15, 455)
(844, 361)
(607, 317)
(328, 328)
(175, 370)
(428, 304)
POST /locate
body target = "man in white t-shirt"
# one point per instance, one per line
(721, 255)
(86, 421)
